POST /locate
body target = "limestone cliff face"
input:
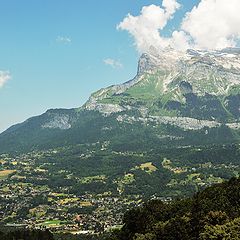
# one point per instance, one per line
(179, 82)
(172, 91)
(213, 72)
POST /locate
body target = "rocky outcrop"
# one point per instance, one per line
(58, 121)
(184, 123)
(106, 109)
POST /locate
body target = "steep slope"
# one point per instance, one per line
(173, 95)
(174, 80)
(210, 214)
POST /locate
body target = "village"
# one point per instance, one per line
(23, 203)
(31, 197)
(40, 208)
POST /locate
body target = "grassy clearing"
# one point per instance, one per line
(2, 161)
(6, 173)
(52, 223)
(60, 195)
(98, 178)
(67, 200)
(150, 87)
(148, 167)
(86, 204)
(193, 176)
(128, 178)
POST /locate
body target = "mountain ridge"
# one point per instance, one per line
(190, 90)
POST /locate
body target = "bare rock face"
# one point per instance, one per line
(106, 109)
(146, 64)
(184, 123)
(200, 78)
(214, 72)
(58, 121)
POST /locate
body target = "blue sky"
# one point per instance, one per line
(55, 50)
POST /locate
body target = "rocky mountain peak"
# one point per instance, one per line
(164, 59)
(189, 91)
(169, 58)
(171, 74)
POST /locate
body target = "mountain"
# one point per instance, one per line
(171, 131)
(195, 84)
(173, 93)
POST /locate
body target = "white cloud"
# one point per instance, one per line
(145, 27)
(212, 24)
(63, 39)
(4, 77)
(170, 6)
(180, 40)
(113, 63)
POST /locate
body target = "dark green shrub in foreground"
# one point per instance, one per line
(27, 235)
(211, 214)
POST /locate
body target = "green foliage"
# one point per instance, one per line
(211, 214)
(228, 231)
(26, 235)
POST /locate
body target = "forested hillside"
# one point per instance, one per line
(211, 214)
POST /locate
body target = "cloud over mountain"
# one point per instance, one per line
(146, 27)
(212, 24)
